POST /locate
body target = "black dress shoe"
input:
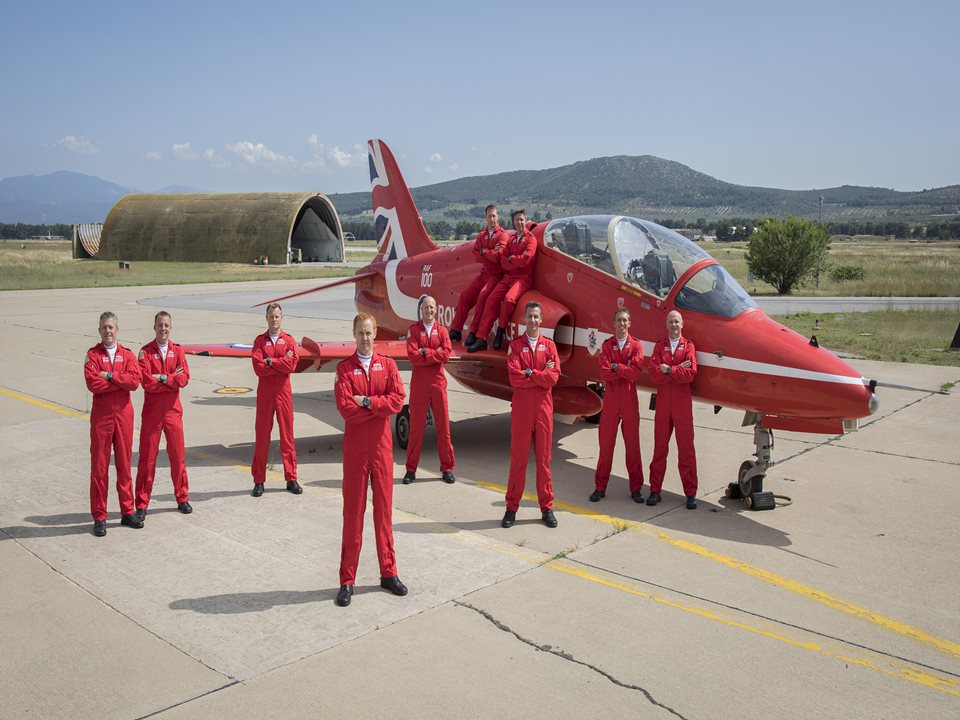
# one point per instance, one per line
(185, 507)
(471, 339)
(549, 519)
(477, 346)
(448, 477)
(294, 487)
(394, 585)
(131, 521)
(691, 502)
(343, 597)
(455, 336)
(653, 499)
(141, 514)
(498, 339)
(509, 518)
(409, 478)
(637, 496)
(257, 489)
(99, 528)
(597, 495)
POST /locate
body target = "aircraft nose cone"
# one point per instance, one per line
(874, 404)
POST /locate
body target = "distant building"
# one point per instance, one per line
(222, 227)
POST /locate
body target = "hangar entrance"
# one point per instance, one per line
(316, 234)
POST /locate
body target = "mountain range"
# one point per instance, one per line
(643, 186)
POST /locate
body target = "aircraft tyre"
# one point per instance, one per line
(401, 427)
(748, 480)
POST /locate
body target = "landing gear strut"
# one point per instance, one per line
(749, 485)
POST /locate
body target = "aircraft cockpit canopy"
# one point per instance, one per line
(650, 257)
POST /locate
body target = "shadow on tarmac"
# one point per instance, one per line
(238, 603)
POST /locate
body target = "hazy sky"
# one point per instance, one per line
(230, 96)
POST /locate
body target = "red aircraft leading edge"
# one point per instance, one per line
(586, 267)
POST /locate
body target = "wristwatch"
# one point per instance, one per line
(109, 377)
(366, 401)
(163, 378)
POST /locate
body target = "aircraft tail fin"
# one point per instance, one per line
(399, 229)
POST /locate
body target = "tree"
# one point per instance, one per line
(786, 252)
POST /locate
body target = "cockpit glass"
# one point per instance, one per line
(714, 291)
(641, 253)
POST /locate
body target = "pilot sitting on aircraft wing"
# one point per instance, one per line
(486, 250)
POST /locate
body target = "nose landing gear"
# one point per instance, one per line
(749, 485)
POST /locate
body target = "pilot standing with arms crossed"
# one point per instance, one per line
(274, 358)
(533, 368)
(428, 348)
(163, 365)
(486, 250)
(673, 366)
(621, 364)
(368, 391)
(111, 373)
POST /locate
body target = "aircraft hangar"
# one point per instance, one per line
(223, 227)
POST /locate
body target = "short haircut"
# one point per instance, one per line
(363, 317)
(108, 315)
(273, 306)
(488, 208)
(622, 311)
(162, 313)
(531, 305)
(514, 213)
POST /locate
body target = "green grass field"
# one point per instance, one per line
(914, 336)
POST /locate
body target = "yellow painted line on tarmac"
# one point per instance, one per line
(950, 686)
(44, 404)
(896, 626)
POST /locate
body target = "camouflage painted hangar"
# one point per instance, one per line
(222, 227)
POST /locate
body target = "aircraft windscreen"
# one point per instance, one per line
(583, 237)
(714, 291)
(650, 256)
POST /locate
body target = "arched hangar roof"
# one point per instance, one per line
(222, 227)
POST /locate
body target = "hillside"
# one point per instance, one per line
(60, 197)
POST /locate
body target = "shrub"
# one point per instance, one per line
(840, 273)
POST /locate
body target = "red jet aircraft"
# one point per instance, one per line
(586, 267)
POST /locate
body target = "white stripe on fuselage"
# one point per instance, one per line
(403, 305)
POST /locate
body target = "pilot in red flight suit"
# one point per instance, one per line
(368, 391)
(533, 368)
(517, 261)
(621, 364)
(486, 250)
(428, 348)
(274, 359)
(672, 367)
(163, 366)
(111, 373)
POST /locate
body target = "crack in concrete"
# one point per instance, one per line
(567, 656)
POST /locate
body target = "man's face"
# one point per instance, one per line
(109, 331)
(519, 221)
(364, 335)
(428, 311)
(492, 218)
(162, 327)
(533, 317)
(674, 324)
(621, 324)
(274, 318)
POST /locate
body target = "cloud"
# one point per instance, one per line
(436, 157)
(183, 151)
(78, 145)
(153, 156)
(453, 166)
(428, 170)
(316, 161)
(259, 155)
(343, 158)
(215, 159)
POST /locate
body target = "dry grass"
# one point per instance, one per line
(48, 264)
(915, 336)
(891, 268)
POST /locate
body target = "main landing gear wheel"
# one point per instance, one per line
(598, 389)
(401, 427)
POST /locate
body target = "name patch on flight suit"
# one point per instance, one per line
(378, 366)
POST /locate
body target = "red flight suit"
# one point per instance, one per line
(428, 388)
(620, 405)
(477, 292)
(516, 260)
(531, 417)
(111, 425)
(368, 456)
(674, 412)
(274, 395)
(162, 412)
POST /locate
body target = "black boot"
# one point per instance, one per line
(498, 340)
(471, 339)
(455, 336)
